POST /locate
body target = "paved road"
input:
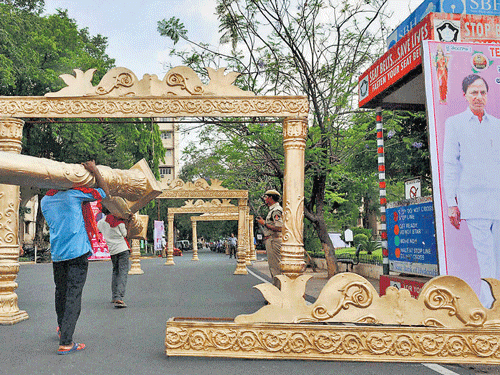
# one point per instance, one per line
(131, 341)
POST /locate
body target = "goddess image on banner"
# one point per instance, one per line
(464, 141)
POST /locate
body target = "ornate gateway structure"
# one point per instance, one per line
(348, 321)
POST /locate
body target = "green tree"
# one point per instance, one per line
(34, 51)
(305, 47)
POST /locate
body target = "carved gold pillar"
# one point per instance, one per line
(135, 263)
(292, 250)
(11, 134)
(170, 244)
(195, 241)
(137, 229)
(253, 257)
(137, 185)
(241, 268)
(248, 247)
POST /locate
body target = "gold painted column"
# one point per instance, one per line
(11, 134)
(170, 244)
(253, 257)
(135, 263)
(170, 241)
(248, 246)
(195, 241)
(292, 249)
(241, 268)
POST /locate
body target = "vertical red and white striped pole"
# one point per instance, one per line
(382, 191)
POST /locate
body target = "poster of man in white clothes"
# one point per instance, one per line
(464, 138)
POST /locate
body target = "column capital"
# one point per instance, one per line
(11, 134)
(294, 128)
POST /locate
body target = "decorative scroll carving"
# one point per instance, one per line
(199, 184)
(445, 301)
(446, 324)
(180, 80)
(123, 107)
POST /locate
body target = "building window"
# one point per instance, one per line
(166, 135)
(168, 153)
(165, 171)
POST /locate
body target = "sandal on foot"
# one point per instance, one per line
(74, 348)
(120, 305)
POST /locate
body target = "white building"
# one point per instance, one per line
(169, 131)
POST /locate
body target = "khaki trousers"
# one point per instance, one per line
(273, 250)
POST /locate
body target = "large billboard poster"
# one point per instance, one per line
(462, 82)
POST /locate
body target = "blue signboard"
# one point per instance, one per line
(411, 239)
(477, 7)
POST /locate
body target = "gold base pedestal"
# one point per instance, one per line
(13, 318)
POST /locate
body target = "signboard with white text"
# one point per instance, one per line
(459, 7)
(403, 61)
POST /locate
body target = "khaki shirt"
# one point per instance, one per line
(275, 218)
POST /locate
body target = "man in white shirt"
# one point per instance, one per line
(472, 178)
(114, 232)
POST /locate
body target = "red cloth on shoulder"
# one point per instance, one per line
(113, 221)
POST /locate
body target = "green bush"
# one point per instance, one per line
(359, 239)
(370, 246)
(360, 230)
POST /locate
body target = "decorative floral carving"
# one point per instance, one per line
(293, 222)
(298, 341)
(51, 107)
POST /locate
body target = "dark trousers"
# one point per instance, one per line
(120, 271)
(232, 251)
(69, 277)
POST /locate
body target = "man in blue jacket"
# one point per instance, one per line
(69, 216)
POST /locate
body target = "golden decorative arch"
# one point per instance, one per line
(220, 207)
(446, 324)
(250, 251)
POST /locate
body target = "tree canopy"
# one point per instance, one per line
(317, 48)
(34, 51)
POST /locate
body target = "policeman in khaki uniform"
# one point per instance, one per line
(271, 228)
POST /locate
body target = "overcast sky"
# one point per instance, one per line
(131, 26)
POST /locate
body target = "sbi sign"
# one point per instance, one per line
(478, 7)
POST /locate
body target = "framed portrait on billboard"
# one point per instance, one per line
(462, 83)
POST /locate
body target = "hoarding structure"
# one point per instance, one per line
(465, 158)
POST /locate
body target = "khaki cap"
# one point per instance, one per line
(272, 192)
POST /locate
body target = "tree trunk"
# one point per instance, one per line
(327, 245)
(39, 226)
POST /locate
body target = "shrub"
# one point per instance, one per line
(359, 239)
(370, 246)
